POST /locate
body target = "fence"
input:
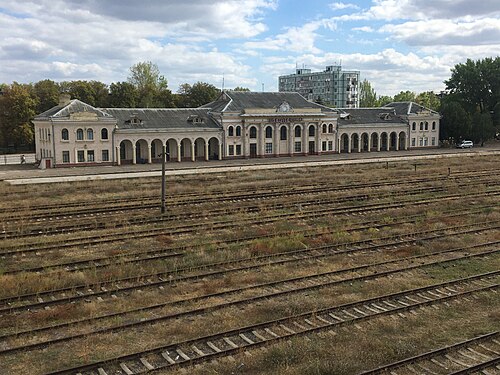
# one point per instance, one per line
(11, 159)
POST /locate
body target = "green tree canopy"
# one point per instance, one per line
(476, 84)
(405, 96)
(367, 95)
(122, 95)
(151, 86)
(455, 124)
(196, 95)
(47, 92)
(238, 88)
(429, 99)
(383, 100)
(17, 109)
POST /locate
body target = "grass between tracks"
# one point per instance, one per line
(281, 359)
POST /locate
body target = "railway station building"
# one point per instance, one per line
(236, 125)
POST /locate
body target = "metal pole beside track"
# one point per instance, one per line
(163, 156)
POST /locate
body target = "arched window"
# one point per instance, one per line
(104, 133)
(298, 131)
(433, 125)
(79, 134)
(269, 132)
(238, 131)
(311, 131)
(90, 134)
(230, 131)
(65, 135)
(283, 133)
(330, 128)
(426, 125)
(414, 126)
(324, 128)
(421, 125)
(253, 132)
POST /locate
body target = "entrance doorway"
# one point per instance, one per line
(312, 148)
(253, 150)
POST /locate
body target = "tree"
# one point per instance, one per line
(17, 109)
(47, 92)
(429, 100)
(455, 123)
(194, 96)
(405, 96)
(238, 88)
(122, 95)
(182, 96)
(203, 93)
(151, 86)
(367, 95)
(81, 90)
(476, 84)
(482, 127)
(383, 100)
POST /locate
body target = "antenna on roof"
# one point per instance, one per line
(262, 87)
(222, 82)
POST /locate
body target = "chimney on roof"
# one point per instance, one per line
(64, 99)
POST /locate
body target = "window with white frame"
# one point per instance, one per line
(238, 131)
(79, 134)
(65, 156)
(323, 145)
(80, 156)
(269, 148)
(90, 134)
(230, 150)
(105, 155)
(104, 134)
(413, 142)
(330, 145)
(65, 135)
(238, 149)
(298, 146)
(433, 141)
(90, 155)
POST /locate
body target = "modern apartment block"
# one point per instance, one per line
(333, 86)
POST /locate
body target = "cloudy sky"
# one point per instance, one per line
(396, 44)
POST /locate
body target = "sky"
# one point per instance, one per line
(397, 45)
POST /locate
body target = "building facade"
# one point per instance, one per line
(333, 86)
(236, 125)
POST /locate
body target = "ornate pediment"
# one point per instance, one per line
(284, 107)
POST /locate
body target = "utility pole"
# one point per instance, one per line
(163, 156)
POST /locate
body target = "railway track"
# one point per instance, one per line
(112, 288)
(467, 357)
(179, 250)
(232, 342)
(194, 227)
(96, 221)
(220, 194)
(99, 218)
(231, 298)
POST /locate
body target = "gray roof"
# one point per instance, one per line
(406, 108)
(238, 101)
(166, 118)
(360, 116)
(74, 106)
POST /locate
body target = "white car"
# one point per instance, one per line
(465, 144)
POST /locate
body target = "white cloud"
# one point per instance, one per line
(446, 32)
(295, 39)
(340, 6)
(366, 29)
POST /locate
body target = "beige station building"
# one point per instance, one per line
(236, 125)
